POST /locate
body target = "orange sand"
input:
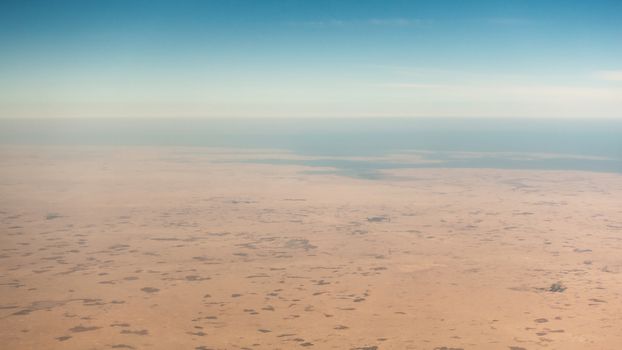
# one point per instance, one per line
(156, 248)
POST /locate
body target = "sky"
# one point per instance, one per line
(288, 58)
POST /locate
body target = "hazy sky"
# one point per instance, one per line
(507, 58)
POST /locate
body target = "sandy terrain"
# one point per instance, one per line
(147, 248)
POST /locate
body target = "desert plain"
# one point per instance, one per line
(197, 248)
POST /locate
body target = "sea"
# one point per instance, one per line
(359, 147)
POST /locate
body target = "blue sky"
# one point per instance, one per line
(511, 58)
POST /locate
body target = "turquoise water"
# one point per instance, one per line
(578, 144)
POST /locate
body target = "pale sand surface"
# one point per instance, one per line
(156, 248)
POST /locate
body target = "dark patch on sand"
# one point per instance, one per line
(80, 328)
(557, 287)
(140, 332)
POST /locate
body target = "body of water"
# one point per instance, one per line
(556, 144)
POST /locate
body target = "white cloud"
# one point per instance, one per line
(508, 21)
(506, 90)
(612, 75)
(415, 86)
(398, 22)
(386, 22)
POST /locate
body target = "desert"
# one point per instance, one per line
(191, 248)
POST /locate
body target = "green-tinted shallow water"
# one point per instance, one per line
(575, 144)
